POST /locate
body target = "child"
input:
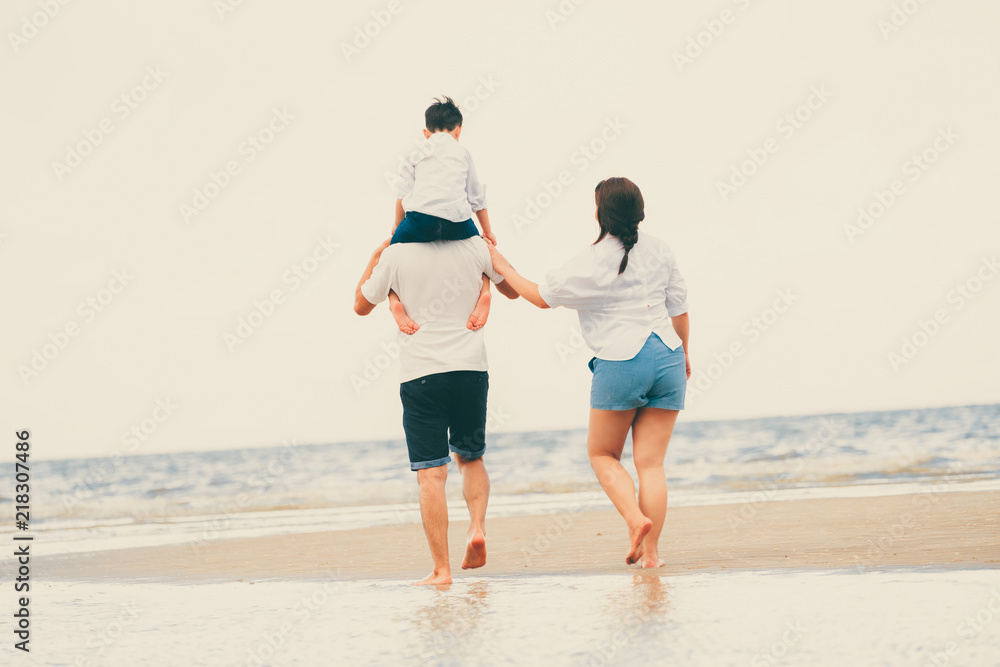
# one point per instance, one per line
(435, 198)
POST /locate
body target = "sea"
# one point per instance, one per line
(878, 616)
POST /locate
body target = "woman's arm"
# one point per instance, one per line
(682, 327)
(527, 289)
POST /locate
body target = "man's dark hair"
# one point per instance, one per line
(442, 115)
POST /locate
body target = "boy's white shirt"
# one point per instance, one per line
(442, 182)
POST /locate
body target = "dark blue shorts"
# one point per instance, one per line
(419, 227)
(445, 410)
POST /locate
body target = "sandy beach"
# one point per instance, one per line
(856, 533)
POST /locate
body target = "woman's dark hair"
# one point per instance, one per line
(442, 115)
(620, 209)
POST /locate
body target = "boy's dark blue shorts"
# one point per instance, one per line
(419, 227)
(442, 410)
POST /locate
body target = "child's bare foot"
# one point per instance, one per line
(403, 321)
(478, 318)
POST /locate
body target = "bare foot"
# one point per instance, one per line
(652, 562)
(478, 318)
(475, 551)
(636, 534)
(434, 579)
(403, 321)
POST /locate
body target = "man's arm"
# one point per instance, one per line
(507, 290)
(363, 306)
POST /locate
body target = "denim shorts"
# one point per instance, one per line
(419, 227)
(654, 378)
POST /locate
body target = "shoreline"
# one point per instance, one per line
(862, 534)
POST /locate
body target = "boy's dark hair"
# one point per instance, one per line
(620, 209)
(442, 115)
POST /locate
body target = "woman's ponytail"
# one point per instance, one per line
(620, 209)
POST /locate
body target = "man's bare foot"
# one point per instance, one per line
(652, 562)
(475, 551)
(403, 321)
(478, 318)
(435, 579)
(636, 534)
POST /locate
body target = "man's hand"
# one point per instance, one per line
(378, 251)
(361, 305)
(687, 364)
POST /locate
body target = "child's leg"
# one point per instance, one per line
(403, 321)
(478, 318)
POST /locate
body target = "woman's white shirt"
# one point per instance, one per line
(618, 312)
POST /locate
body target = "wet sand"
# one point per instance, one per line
(857, 533)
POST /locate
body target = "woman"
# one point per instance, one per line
(630, 298)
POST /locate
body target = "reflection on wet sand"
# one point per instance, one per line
(451, 622)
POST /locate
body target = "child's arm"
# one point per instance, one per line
(484, 221)
(400, 214)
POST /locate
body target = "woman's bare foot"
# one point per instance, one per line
(403, 321)
(478, 318)
(652, 562)
(636, 535)
(475, 551)
(435, 578)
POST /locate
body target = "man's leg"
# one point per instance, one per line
(467, 419)
(476, 489)
(434, 513)
(426, 426)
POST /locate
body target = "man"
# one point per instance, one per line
(444, 381)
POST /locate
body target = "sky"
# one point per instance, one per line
(191, 191)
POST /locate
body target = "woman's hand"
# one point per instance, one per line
(687, 364)
(500, 263)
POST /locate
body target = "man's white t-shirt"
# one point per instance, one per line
(438, 283)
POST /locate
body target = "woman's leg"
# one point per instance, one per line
(605, 440)
(651, 433)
